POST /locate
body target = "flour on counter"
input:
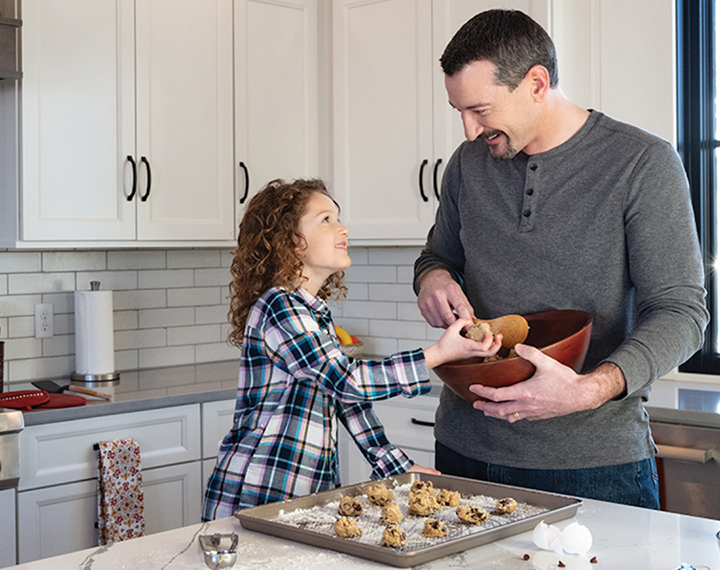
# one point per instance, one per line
(320, 519)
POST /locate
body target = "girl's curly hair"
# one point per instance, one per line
(267, 253)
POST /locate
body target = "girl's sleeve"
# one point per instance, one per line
(369, 435)
(297, 344)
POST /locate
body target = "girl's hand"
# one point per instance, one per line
(420, 469)
(453, 346)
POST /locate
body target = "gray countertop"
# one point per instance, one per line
(179, 385)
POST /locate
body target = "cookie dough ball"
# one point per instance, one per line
(394, 536)
(379, 495)
(471, 515)
(347, 528)
(449, 498)
(349, 506)
(390, 514)
(422, 505)
(506, 505)
(477, 330)
(434, 528)
(422, 487)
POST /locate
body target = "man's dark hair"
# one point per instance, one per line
(509, 39)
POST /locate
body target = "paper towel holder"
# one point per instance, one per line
(96, 380)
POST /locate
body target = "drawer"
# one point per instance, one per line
(62, 452)
(217, 419)
(409, 423)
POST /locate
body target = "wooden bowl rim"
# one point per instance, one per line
(472, 361)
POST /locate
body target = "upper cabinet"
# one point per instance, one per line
(127, 114)
(393, 127)
(276, 92)
(150, 122)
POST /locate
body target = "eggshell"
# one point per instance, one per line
(576, 538)
(544, 535)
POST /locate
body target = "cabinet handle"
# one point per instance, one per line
(247, 182)
(134, 186)
(420, 180)
(435, 171)
(145, 196)
(417, 422)
(686, 453)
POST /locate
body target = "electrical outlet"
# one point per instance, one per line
(43, 320)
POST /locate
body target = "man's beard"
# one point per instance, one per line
(510, 150)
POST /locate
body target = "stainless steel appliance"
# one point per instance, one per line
(688, 441)
(11, 424)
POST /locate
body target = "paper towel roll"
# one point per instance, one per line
(94, 338)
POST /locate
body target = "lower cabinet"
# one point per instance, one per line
(60, 519)
(408, 425)
(7, 528)
(57, 496)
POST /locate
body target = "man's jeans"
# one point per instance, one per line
(629, 483)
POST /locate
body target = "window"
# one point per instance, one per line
(698, 134)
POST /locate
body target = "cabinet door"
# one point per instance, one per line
(78, 120)
(276, 92)
(184, 120)
(60, 519)
(8, 534)
(382, 80)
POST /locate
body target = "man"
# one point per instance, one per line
(550, 206)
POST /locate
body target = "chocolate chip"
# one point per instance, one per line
(593, 560)
(526, 557)
(560, 563)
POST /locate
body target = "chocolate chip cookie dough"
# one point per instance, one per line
(448, 498)
(394, 536)
(472, 515)
(347, 528)
(350, 506)
(391, 514)
(506, 505)
(379, 494)
(434, 528)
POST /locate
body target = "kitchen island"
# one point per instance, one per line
(623, 538)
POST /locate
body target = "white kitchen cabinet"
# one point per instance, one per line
(58, 476)
(7, 528)
(127, 122)
(217, 419)
(276, 92)
(408, 425)
(60, 519)
(393, 127)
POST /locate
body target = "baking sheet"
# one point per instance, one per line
(545, 506)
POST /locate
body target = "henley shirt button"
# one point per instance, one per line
(527, 213)
(529, 191)
(533, 167)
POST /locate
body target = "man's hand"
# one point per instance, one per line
(441, 299)
(554, 390)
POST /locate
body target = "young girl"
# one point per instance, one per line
(295, 382)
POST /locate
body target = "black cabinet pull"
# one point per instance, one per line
(421, 423)
(247, 182)
(145, 196)
(420, 180)
(435, 171)
(134, 186)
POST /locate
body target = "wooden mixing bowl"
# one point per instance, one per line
(563, 335)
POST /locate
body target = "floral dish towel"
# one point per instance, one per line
(120, 492)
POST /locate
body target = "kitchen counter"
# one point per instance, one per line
(157, 388)
(623, 537)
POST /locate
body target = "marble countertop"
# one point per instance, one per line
(623, 537)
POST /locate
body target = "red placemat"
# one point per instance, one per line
(62, 401)
(23, 399)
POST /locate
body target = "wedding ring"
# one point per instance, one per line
(517, 416)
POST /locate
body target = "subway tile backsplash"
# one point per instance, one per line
(170, 306)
